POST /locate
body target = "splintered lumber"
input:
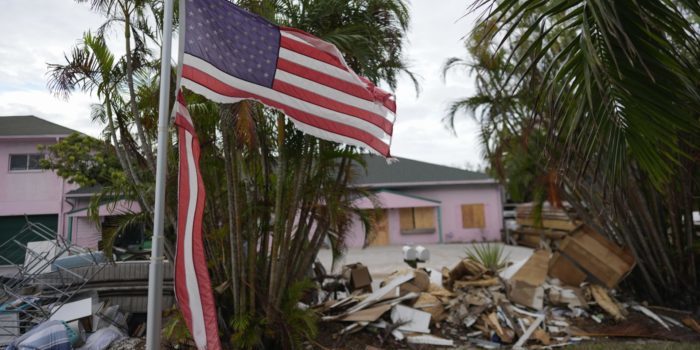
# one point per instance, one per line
(367, 315)
(432, 305)
(491, 320)
(374, 297)
(525, 287)
(429, 340)
(533, 326)
(691, 323)
(601, 297)
(651, 315)
(600, 257)
(494, 281)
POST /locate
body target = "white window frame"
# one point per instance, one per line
(26, 169)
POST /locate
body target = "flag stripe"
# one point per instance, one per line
(198, 330)
(214, 89)
(319, 66)
(202, 73)
(304, 90)
(325, 79)
(192, 283)
(304, 80)
(309, 51)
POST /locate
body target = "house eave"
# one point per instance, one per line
(427, 183)
(32, 137)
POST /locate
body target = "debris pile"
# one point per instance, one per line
(549, 228)
(60, 296)
(530, 303)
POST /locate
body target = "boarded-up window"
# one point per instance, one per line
(473, 216)
(417, 220)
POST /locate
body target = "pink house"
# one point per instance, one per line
(29, 192)
(423, 203)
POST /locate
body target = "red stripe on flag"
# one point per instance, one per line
(207, 305)
(331, 82)
(334, 105)
(310, 51)
(215, 85)
(183, 197)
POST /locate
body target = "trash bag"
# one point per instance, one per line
(103, 338)
(50, 335)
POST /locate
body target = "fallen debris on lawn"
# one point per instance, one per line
(522, 306)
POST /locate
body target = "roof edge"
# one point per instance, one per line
(428, 183)
(409, 195)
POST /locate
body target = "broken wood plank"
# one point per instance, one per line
(521, 341)
(429, 340)
(367, 315)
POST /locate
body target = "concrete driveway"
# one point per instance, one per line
(384, 260)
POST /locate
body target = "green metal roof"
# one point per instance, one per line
(407, 172)
(84, 191)
(29, 125)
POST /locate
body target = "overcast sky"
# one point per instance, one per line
(37, 32)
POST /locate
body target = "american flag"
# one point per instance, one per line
(192, 284)
(231, 55)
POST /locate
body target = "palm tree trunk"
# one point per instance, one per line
(278, 228)
(231, 209)
(145, 142)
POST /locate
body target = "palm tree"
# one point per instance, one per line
(134, 16)
(91, 66)
(616, 93)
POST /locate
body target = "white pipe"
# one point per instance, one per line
(155, 274)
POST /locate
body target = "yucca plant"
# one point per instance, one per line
(491, 255)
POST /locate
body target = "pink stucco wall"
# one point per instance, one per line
(30, 192)
(452, 197)
(86, 234)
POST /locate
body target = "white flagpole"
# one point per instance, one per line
(155, 274)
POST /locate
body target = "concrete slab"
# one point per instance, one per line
(384, 260)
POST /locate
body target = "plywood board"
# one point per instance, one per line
(406, 219)
(473, 216)
(73, 310)
(424, 217)
(380, 229)
(598, 256)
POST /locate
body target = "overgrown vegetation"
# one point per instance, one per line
(595, 103)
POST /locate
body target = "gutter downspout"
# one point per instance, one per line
(439, 214)
(61, 215)
(70, 230)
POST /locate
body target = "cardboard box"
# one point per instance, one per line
(359, 276)
(525, 287)
(598, 256)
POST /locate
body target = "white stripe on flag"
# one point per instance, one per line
(331, 93)
(320, 112)
(320, 133)
(195, 302)
(319, 66)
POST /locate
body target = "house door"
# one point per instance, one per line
(380, 230)
(10, 229)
